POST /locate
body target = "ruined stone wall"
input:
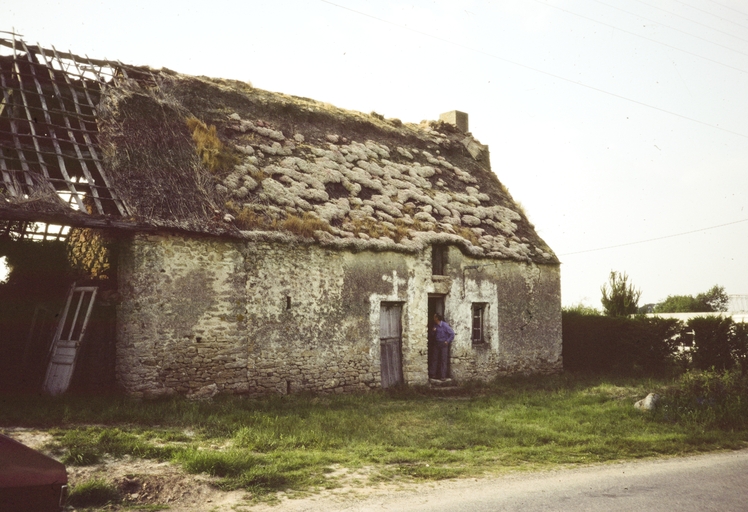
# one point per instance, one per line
(200, 316)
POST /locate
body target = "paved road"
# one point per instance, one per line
(713, 482)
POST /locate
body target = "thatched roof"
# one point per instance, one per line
(160, 150)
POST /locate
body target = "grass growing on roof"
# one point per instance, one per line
(213, 153)
(467, 234)
(304, 226)
(306, 442)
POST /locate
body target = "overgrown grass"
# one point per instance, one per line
(85, 446)
(301, 441)
(93, 493)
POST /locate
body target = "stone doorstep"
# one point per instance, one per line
(447, 383)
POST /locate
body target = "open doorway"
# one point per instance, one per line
(41, 272)
(436, 305)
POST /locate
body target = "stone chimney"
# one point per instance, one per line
(457, 118)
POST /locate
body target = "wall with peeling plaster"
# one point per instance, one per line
(202, 316)
(181, 323)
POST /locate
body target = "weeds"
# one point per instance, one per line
(376, 229)
(303, 226)
(467, 234)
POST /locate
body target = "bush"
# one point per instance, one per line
(710, 399)
(596, 344)
(740, 346)
(719, 342)
(582, 310)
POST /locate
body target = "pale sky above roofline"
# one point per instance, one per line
(608, 127)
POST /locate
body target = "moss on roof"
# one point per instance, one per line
(219, 156)
(157, 150)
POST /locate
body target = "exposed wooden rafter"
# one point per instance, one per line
(49, 148)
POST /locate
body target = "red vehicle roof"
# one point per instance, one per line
(21, 466)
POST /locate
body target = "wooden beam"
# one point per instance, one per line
(73, 219)
(82, 220)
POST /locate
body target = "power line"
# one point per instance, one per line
(655, 239)
(728, 7)
(641, 36)
(692, 21)
(711, 13)
(671, 28)
(525, 66)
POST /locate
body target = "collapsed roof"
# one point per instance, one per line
(96, 143)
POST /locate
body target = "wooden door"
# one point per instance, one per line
(390, 342)
(68, 337)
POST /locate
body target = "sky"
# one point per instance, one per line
(621, 126)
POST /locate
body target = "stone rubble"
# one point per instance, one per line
(648, 403)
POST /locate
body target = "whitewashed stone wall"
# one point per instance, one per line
(523, 322)
(200, 316)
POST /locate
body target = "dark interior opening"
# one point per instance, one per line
(436, 305)
(32, 299)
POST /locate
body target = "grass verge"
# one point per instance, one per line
(305, 442)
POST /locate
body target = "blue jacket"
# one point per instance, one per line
(444, 332)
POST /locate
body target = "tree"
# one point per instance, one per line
(714, 299)
(620, 298)
(679, 304)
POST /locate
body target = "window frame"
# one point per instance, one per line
(478, 312)
(439, 259)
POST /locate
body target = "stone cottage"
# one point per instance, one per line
(256, 242)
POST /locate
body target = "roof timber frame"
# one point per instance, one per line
(49, 131)
(25, 230)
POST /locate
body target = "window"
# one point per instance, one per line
(439, 260)
(479, 322)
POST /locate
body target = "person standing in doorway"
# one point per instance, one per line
(443, 335)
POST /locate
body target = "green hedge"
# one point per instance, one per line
(624, 345)
(651, 345)
(719, 343)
